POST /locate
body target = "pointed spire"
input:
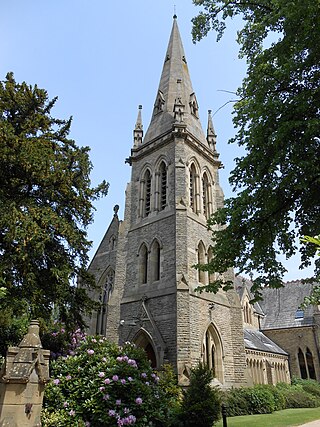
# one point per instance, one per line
(211, 135)
(138, 130)
(175, 100)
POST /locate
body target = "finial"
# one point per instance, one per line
(174, 12)
(209, 111)
(116, 209)
(140, 107)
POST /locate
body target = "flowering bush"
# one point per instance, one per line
(104, 385)
(60, 341)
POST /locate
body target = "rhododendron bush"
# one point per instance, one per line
(102, 384)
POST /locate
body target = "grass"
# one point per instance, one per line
(286, 418)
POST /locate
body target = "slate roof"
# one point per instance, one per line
(256, 340)
(281, 305)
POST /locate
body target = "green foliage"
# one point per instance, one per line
(277, 118)
(12, 329)
(297, 397)
(259, 399)
(60, 341)
(236, 402)
(45, 207)
(200, 400)
(310, 386)
(265, 399)
(103, 384)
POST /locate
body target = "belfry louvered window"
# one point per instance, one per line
(192, 188)
(147, 199)
(163, 186)
(205, 196)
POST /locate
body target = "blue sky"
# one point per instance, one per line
(102, 59)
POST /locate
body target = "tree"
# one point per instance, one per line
(45, 207)
(277, 116)
(201, 404)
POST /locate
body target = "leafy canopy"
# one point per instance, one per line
(45, 207)
(277, 118)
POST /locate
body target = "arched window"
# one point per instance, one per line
(310, 365)
(210, 256)
(155, 260)
(104, 299)
(143, 264)
(212, 352)
(163, 186)
(147, 195)
(302, 365)
(192, 188)
(201, 260)
(205, 196)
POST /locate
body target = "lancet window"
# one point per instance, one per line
(205, 196)
(212, 352)
(163, 186)
(201, 260)
(192, 188)
(147, 199)
(155, 261)
(104, 299)
(143, 264)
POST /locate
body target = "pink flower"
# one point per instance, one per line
(107, 381)
(101, 374)
(65, 404)
(90, 351)
(138, 401)
(123, 381)
(68, 377)
(72, 413)
(118, 402)
(130, 379)
(106, 397)
(112, 413)
(101, 388)
(119, 359)
(56, 381)
(115, 378)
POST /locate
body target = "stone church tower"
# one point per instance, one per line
(144, 265)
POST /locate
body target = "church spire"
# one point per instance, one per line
(175, 100)
(138, 130)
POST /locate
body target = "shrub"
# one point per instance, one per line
(200, 400)
(169, 386)
(261, 400)
(251, 400)
(279, 399)
(104, 385)
(236, 402)
(297, 397)
(310, 386)
(60, 341)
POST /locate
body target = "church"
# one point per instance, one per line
(144, 264)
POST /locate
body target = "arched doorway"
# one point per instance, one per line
(144, 340)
